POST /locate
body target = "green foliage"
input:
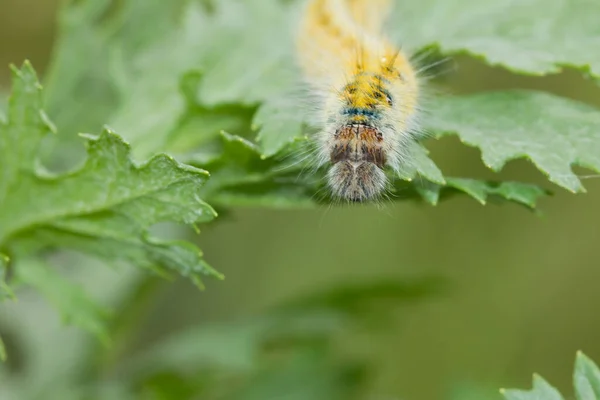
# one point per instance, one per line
(482, 191)
(213, 85)
(71, 301)
(586, 380)
(82, 94)
(566, 135)
(295, 350)
(187, 74)
(536, 37)
(104, 207)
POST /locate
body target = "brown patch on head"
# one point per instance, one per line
(358, 142)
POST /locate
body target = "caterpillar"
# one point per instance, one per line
(368, 94)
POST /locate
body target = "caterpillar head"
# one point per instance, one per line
(366, 131)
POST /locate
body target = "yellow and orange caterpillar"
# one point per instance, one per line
(368, 93)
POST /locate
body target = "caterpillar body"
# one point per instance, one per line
(368, 94)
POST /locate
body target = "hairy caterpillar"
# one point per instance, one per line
(369, 94)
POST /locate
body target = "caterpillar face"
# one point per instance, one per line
(358, 159)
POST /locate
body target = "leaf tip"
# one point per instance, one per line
(87, 136)
(27, 64)
(213, 272)
(26, 72)
(197, 281)
(580, 356)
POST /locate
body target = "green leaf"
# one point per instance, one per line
(482, 191)
(270, 80)
(262, 27)
(72, 302)
(240, 176)
(541, 390)
(82, 95)
(253, 58)
(535, 37)
(421, 166)
(586, 378)
(199, 131)
(553, 132)
(153, 100)
(235, 34)
(278, 125)
(106, 206)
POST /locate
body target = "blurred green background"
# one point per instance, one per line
(520, 293)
